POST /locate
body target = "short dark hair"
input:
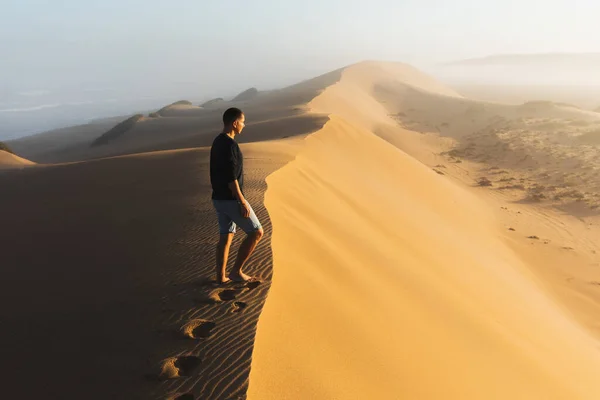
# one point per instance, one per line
(231, 115)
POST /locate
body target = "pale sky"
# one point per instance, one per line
(228, 43)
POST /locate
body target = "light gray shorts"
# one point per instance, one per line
(229, 216)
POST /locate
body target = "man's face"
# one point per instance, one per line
(239, 124)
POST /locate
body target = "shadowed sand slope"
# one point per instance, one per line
(118, 130)
(392, 280)
(106, 268)
(107, 263)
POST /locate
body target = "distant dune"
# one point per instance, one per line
(212, 102)
(176, 109)
(282, 111)
(182, 103)
(119, 130)
(584, 96)
(246, 95)
(539, 103)
(568, 59)
(10, 160)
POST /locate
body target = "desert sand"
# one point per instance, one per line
(419, 245)
(10, 161)
(394, 281)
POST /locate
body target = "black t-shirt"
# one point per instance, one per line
(226, 165)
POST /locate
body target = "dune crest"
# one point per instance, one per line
(177, 109)
(353, 95)
(212, 102)
(392, 281)
(9, 160)
(118, 130)
(246, 95)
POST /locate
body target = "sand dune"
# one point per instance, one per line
(180, 108)
(118, 130)
(371, 311)
(583, 96)
(539, 146)
(271, 115)
(246, 95)
(380, 315)
(212, 102)
(398, 271)
(589, 60)
(9, 160)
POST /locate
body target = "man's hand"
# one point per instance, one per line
(245, 209)
(237, 193)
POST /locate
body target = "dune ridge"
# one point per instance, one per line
(391, 280)
(212, 102)
(246, 94)
(10, 160)
(118, 130)
(177, 109)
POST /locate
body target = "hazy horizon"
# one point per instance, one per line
(70, 63)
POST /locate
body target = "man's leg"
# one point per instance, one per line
(244, 253)
(222, 256)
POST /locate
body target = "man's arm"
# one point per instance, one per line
(237, 193)
(228, 165)
(234, 186)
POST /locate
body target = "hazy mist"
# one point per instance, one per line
(68, 62)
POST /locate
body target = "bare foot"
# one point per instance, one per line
(240, 277)
(223, 281)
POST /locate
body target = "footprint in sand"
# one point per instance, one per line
(229, 294)
(220, 295)
(175, 367)
(253, 285)
(198, 329)
(238, 306)
(211, 283)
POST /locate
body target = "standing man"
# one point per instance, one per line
(227, 180)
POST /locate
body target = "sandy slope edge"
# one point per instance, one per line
(393, 281)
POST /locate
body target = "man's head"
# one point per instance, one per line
(234, 120)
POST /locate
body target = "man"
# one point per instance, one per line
(227, 180)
